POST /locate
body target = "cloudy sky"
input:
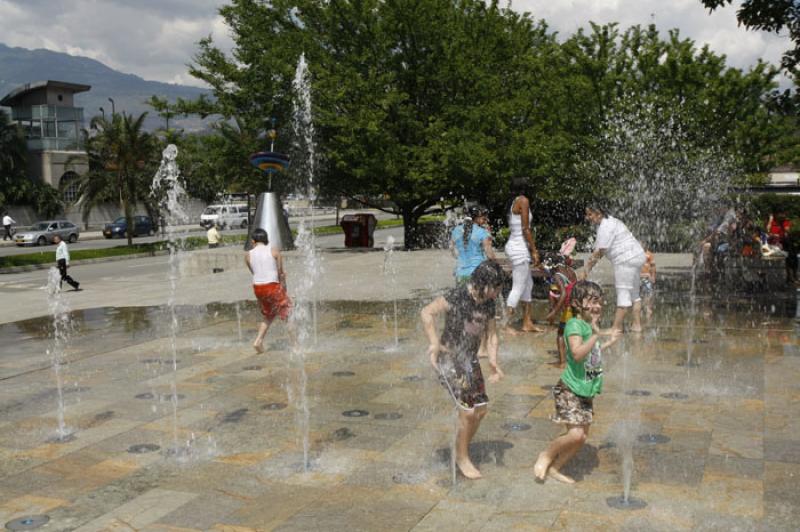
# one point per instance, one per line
(155, 39)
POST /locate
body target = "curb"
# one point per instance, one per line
(34, 267)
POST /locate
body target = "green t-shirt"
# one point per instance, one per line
(584, 378)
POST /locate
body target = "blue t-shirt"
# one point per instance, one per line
(471, 255)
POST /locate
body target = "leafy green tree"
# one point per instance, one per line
(122, 159)
(769, 15)
(424, 100)
(13, 159)
(15, 186)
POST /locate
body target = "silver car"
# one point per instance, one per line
(42, 233)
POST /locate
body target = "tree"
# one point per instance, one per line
(424, 100)
(13, 160)
(769, 15)
(15, 186)
(121, 162)
(405, 102)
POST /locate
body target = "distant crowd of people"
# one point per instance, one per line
(734, 233)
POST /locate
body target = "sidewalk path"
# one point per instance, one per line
(347, 275)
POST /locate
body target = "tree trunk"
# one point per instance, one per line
(410, 227)
(130, 227)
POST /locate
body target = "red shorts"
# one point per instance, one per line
(273, 300)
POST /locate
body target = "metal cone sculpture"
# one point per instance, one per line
(269, 211)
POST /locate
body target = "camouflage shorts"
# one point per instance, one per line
(571, 409)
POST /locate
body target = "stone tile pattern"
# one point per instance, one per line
(230, 458)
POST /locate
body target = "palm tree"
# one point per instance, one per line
(120, 157)
(13, 160)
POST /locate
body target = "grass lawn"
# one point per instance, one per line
(188, 243)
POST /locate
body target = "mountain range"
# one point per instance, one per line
(20, 65)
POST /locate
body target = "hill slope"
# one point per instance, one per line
(19, 66)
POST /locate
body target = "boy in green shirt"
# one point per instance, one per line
(581, 380)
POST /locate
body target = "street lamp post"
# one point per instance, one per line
(113, 107)
(103, 112)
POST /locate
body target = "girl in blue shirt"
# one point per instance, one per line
(471, 244)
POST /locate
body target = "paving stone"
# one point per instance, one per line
(730, 463)
(782, 450)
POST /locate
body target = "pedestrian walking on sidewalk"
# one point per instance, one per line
(213, 236)
(62, 260)
(7, 223)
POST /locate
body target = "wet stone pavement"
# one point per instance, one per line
(212, 443)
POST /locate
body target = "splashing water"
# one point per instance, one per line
(304, 164)
(390, 282)
(656, 178)
(167, 186)
(660, 182)
(62, 327)
(239, 321)
(301, 323)
(628, 428)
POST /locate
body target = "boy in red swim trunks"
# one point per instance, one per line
(269, 284)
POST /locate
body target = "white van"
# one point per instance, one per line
(225, 215)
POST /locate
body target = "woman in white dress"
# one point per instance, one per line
(520, 250)
(615, 241)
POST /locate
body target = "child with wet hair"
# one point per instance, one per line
(581, 380)
(265, 262)
(469, 313)
(562, 280)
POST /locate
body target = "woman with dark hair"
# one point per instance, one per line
(615, 241)
(471, 243)
(520, 249)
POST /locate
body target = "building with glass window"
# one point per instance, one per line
(46, 112)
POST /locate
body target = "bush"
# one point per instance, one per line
(761, 206)
(549, 239)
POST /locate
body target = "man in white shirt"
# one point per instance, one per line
(7, 221)
(62, 260)
(627, 255)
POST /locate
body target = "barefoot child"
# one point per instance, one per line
(269, 284)
(647, 286)
(563, 280)
(581, 380)
(469, 314)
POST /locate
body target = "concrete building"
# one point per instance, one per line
(52, 124)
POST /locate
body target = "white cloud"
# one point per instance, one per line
(155, 39)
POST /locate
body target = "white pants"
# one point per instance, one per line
(627, 281)
(522, 284)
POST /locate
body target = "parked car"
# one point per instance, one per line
(42, 233)
(142, 225)
(229, 215)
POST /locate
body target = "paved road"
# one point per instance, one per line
(95, 240)
(349, 274)
(131, 268)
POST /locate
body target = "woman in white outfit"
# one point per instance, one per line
(627, 255)
(520, 249)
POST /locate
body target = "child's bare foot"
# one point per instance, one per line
(258, 347)
(530, 327)
(559, 476)
(483, 354)
(542, 463)
(511, 331)
(468, 469)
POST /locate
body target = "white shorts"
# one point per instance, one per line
(626, 281)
